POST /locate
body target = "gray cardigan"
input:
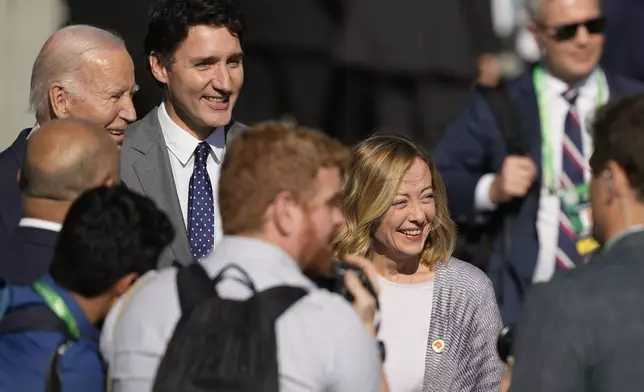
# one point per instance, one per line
(466, 318)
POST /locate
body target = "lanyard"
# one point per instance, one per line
(58, 306)
(547, 147)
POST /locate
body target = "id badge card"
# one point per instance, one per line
(576, 206)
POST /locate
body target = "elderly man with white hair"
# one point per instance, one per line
(82, 72)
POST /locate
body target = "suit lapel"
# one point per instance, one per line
(154, 173)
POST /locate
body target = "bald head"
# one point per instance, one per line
(84, 71)
(67, 157)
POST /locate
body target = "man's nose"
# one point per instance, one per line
(128, 113)
(221, 78)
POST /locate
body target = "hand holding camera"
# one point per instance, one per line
(361, 282)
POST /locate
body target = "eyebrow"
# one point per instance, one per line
(237, 56)
(429, 188)
(335, 199)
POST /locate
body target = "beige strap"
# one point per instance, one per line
(126, 299)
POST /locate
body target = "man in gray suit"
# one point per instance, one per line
(173, 155)
(585, 330)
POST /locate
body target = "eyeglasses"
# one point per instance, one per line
(569, 31)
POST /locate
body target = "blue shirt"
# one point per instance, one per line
(24, 356)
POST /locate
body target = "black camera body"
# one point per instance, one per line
(505, 342)
(334, 281)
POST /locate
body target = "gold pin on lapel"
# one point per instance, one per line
(438, 346)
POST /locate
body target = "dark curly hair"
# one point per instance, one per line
(109, 232)
(170, 21)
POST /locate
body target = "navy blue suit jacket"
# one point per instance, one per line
(26, 256)
(11, 160)
(472, 147)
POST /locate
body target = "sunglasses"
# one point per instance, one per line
(569, 31)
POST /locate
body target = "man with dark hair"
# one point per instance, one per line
(584, 330)
(63, 159)
(110, 237)
(174, 153)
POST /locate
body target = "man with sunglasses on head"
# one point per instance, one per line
(530, 194)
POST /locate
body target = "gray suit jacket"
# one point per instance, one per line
(145, 168)
(584, 331)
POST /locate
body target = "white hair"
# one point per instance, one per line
(61, 60)
(533, 8)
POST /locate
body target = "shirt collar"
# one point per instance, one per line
(182, 145)
(620, 236)
(85, 327)
(33, 130)
(40, 224)
(258, 255)
(588, 87)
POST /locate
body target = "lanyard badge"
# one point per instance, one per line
(575, 202)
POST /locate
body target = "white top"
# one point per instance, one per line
(181, 147)
(406, 313)
(40, 224)
(549, 205)
(322, 344)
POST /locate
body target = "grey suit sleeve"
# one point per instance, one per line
(549, 350)
(486, 359)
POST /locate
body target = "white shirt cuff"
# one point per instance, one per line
(482, 202)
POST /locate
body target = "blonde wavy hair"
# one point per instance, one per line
(371, 182)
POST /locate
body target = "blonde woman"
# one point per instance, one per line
(440, 320)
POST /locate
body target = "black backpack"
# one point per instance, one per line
(223, 345)
(474, 242)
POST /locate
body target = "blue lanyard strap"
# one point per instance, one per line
(547, 149)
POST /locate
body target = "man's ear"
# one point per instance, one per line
(617, 180)
(122, 285)
(159, 71)
(59, 101)
(284, 211)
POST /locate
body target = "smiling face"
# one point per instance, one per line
(404, 229)
(106, 97)
(576, 56)
(203, 79)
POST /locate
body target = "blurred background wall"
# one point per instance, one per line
(24, 27)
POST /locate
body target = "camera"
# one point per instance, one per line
(334, 281)
(505, 342)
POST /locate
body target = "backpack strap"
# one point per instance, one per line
(53, 381)
(505, 112)
(277, 300)
(32, 318)
(194, 286)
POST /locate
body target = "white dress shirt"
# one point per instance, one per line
(321, 343)
(549, 205)
(40, 224)
(181, 150)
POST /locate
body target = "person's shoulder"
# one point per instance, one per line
(152, 306)
(622, 85)
(464, 272)
(82, 368)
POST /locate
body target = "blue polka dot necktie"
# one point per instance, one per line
(201, 208)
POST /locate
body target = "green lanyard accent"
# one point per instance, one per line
(58, 306)
(546, 145)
